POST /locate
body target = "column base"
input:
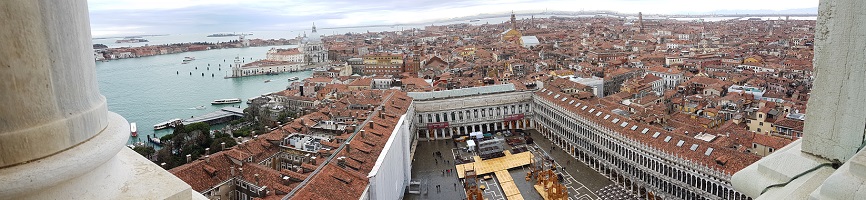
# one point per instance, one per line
(99, 168)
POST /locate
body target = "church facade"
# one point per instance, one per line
(313, 48)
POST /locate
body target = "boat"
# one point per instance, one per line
(474, 20)
(223, 35)
(225, 101)
(267, 80)
(133, 130)
(184, 62)
(199, 107)
(154, 140)
(293, 78)
(186, 59)
(169, 123)
(131, 40)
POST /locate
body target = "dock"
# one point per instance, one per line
(223, 115)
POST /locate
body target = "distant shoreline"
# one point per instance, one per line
(555, 13)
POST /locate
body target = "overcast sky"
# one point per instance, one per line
(131, 17)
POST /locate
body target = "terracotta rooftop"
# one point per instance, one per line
(655, 141)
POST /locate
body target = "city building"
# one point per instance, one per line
(383, 64)
(287, 55)
(313, 48)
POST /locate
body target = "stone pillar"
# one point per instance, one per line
(57, 138)
(835, 126)
(49, 82)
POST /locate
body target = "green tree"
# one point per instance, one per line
(216, 145)
(201, 126)
(145, 151)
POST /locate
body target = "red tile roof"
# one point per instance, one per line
(731, 166)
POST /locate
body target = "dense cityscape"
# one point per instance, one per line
(562, 106)
(689, 102)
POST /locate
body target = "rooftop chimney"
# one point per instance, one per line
(206, 151)
(207, 158)
(233, 171)
(257, 179)
(223, 145)
(341, 161)
(188, 157)
(372, 126)
(162, 165)
(362, 134)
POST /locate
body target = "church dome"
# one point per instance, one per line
(314, 36)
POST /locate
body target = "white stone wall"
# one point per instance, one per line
(393, 169)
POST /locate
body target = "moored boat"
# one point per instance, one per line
(170, 123)
(133, 130)
(225, 101)
(154, 140)
(293, 78)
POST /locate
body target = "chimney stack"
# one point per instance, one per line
(372, 125)
(257, 179)
(207, 158)
(341, 161)
(362, 134)
(233, 171)
(206, 151)
(188, 157)
(223, 145)
(162, 165)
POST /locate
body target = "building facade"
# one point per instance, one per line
(626, 152)
(446, 114)
(383, 64)
(313, 48)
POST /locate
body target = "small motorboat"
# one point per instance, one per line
(133, 130)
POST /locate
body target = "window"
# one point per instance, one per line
(760, 115)
(754, 145)
(771, 150)
(760, 123)
(759, 130)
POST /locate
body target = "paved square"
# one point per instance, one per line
(581, 181)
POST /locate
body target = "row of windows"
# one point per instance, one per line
(497, 111)
(592, 144)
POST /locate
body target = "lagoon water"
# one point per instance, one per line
(150, 90)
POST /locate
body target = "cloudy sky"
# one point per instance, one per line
(131, 17)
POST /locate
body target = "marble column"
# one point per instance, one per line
(837, 116)
(57, 138)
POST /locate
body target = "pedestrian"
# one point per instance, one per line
(443, 172)
(437, 188)
(455, 186)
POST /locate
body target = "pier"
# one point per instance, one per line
(223, 115)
